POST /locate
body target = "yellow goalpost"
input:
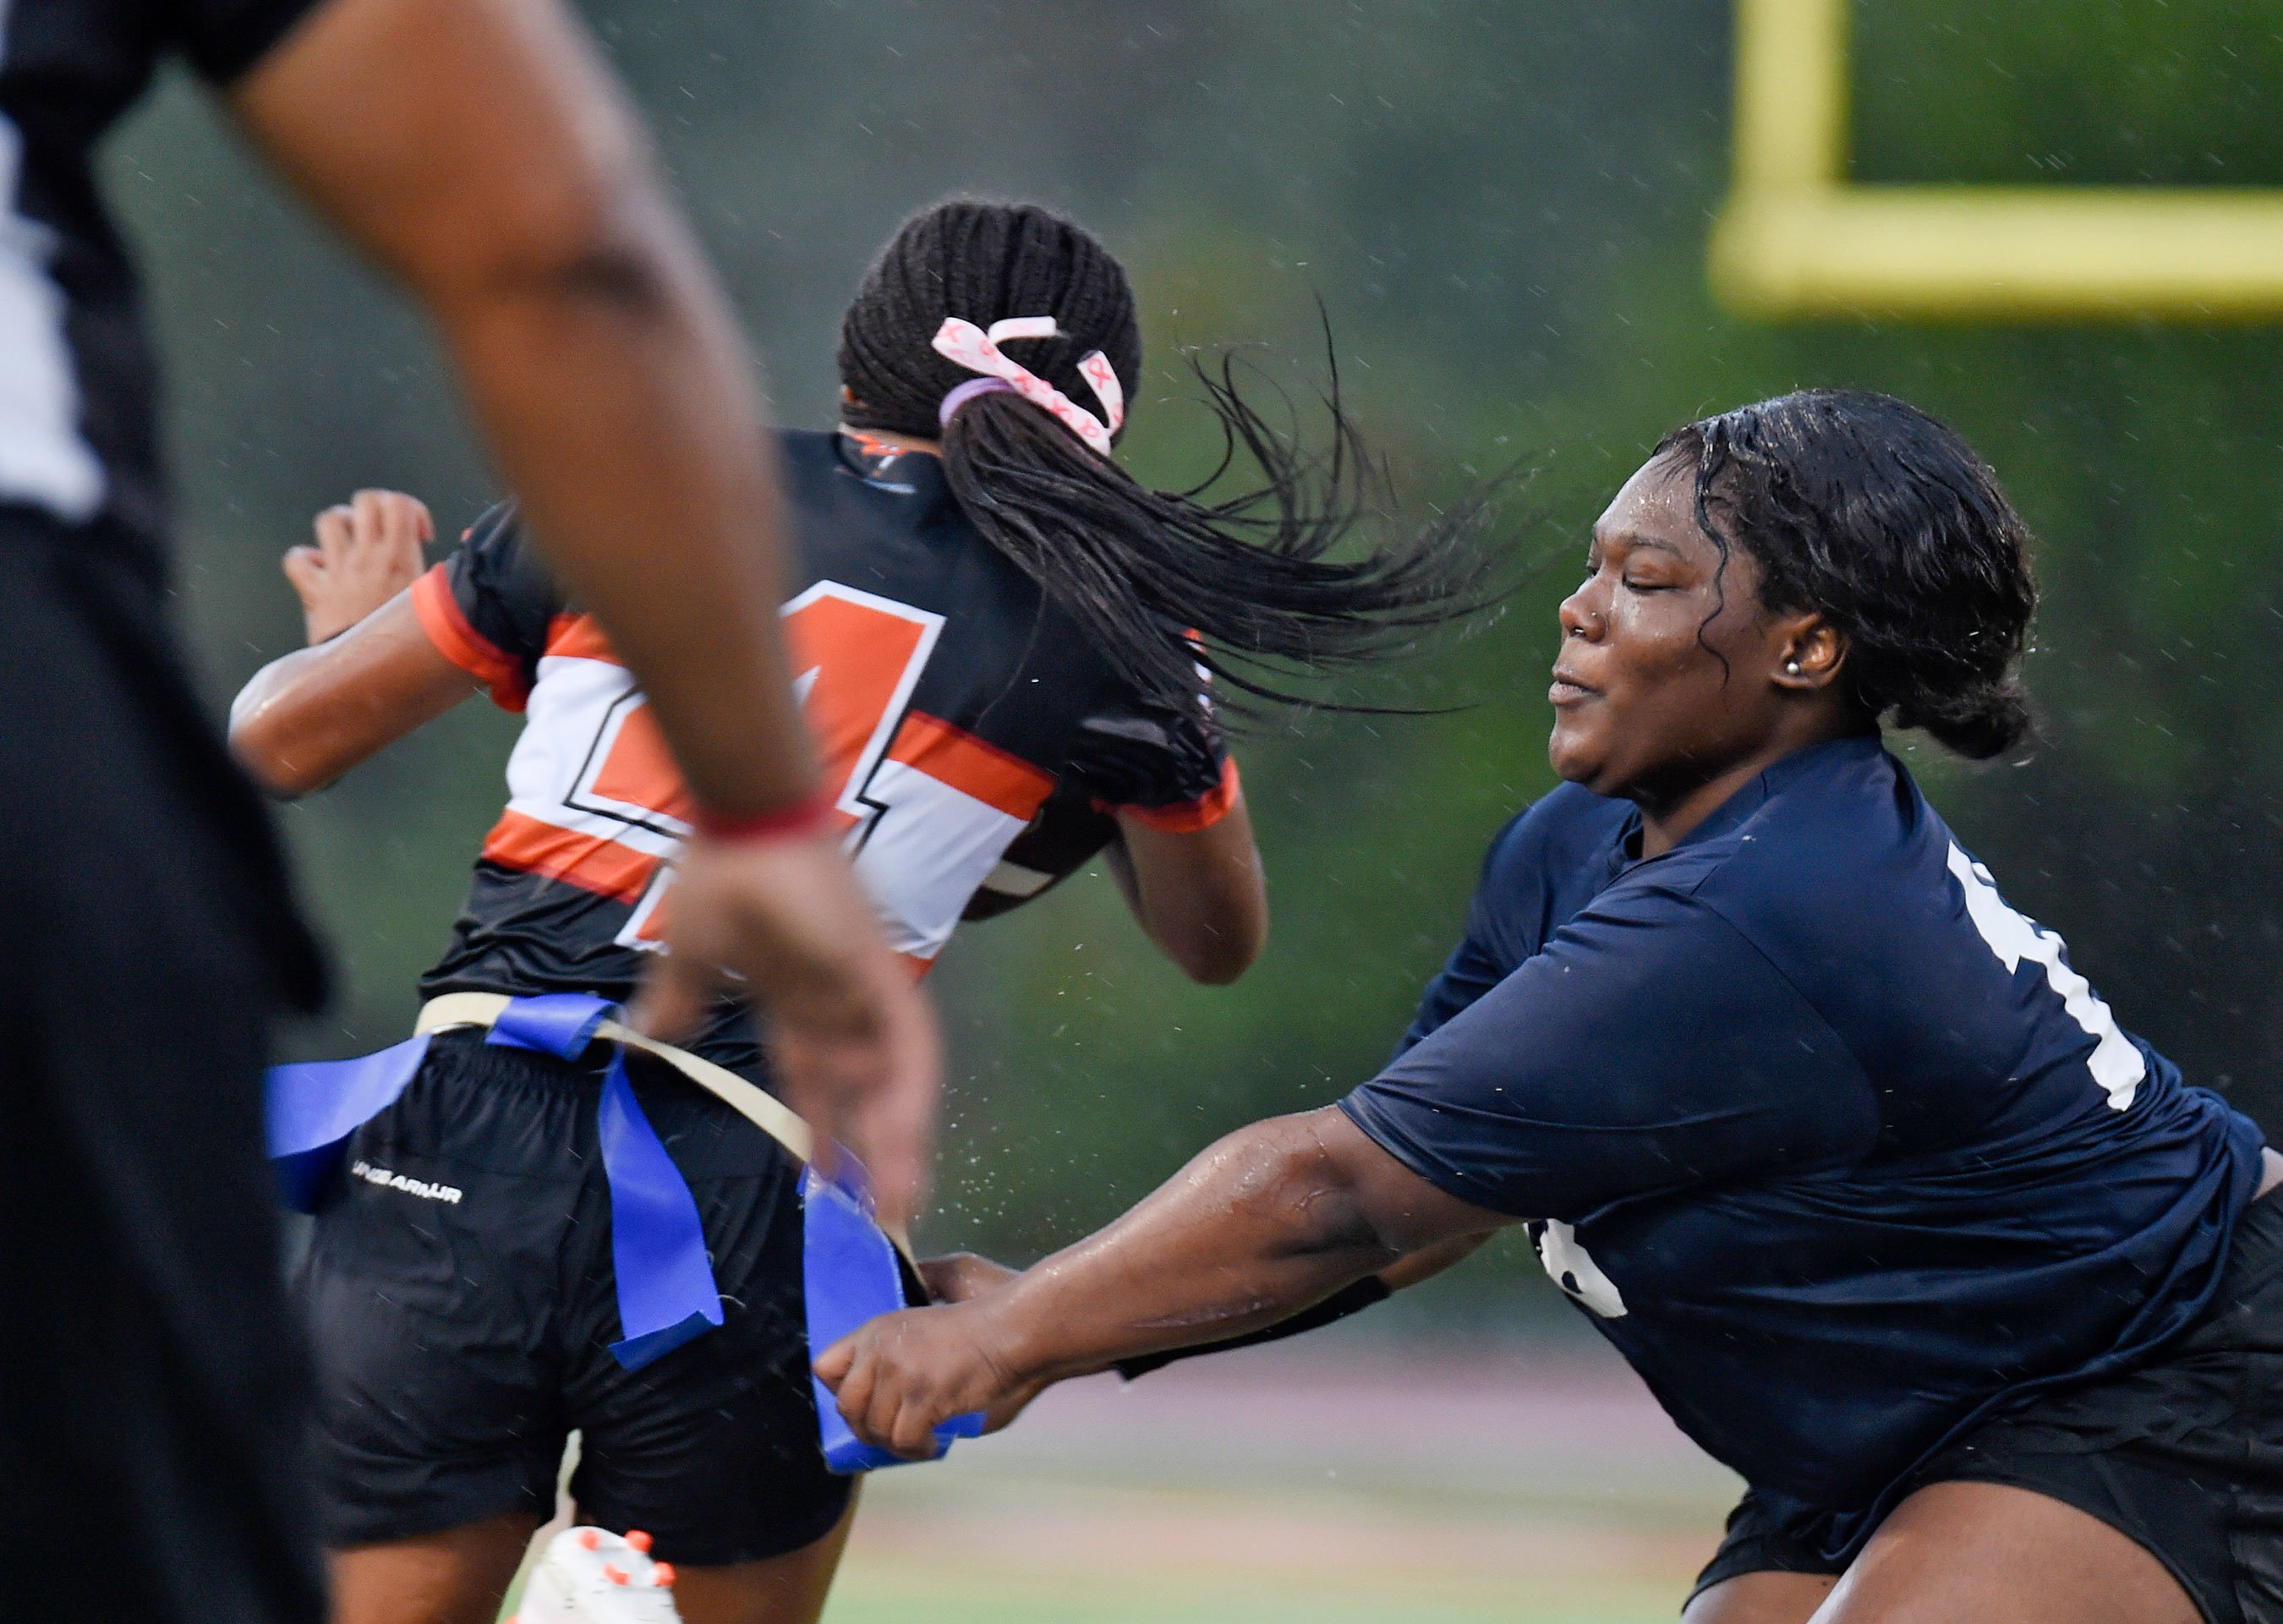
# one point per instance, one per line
(1796, 237)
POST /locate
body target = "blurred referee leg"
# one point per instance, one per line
(152, 1393)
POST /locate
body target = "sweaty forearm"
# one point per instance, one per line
(308, 718)
(1350, 1299)
(1261, 1225)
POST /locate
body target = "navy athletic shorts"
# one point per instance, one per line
(461, 1299)
(2185, 1453)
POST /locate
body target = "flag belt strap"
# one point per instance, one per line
(757, 1106)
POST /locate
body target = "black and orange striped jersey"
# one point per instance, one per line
(973, 740)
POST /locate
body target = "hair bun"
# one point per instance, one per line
(1865, 509)
(1978, 724)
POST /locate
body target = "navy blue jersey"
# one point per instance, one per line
(1826, 1137)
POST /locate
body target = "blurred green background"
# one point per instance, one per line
(1503, 207)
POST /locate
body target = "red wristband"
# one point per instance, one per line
(812, 815)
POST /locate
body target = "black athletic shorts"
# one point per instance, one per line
(152, 1390)
(2184, 1454)
(462, 1299)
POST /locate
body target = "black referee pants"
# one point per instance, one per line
(152, 1387)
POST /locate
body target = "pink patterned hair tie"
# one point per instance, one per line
(977, 350)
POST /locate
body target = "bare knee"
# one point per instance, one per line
(458, 1576)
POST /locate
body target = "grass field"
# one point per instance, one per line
(1294, 1485)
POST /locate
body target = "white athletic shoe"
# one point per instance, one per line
(590, 1576)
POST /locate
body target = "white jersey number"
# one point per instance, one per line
(2116, 1063)
(1573, 1268)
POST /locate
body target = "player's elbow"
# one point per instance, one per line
(1215, 954)
(276, 771)
(1284, 1170)
(265, 747)
(1214, 932)
(624, 274)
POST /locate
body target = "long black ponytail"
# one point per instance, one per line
(1252, 573)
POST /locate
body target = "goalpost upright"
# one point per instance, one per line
(1797, 237)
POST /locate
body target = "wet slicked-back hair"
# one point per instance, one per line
(1252, 573)
(1863, 508)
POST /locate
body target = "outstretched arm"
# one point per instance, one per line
(1271, 1219)
(479, 150)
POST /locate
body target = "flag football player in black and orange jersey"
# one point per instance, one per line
(1004, 646)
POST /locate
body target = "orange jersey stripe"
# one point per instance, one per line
(440, 615)
(640, 770)
(588, 861)
(580, 637)
(1190, 816)
(953, 757)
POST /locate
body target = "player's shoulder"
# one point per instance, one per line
(807, 453)
(876, 517)
(1840, 814)
(1833, 847)
(496, 531)
(846, 469)
(497, 556)
(1545, 862)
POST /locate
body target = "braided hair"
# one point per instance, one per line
(1251, 574)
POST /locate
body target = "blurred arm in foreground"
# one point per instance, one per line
(477, 150)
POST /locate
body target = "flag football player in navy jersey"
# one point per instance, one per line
(1978, 1296)
(1004, 645)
